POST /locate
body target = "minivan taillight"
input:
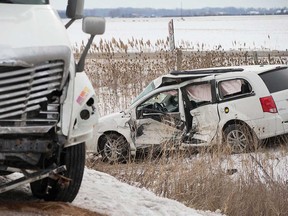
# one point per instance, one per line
(268, 104)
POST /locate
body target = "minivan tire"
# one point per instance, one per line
(114, 148)
(240, 139)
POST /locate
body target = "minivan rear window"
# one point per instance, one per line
(276, 80)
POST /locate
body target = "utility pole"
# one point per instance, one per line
(181, 11)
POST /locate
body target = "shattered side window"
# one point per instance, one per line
(147, 90)
(231, 88)
(167, 101)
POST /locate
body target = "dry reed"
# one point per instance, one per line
(119, 71)
(246, 184)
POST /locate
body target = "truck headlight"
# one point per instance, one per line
(85, 114)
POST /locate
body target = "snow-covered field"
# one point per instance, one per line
(231, 32)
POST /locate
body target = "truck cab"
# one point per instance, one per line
(47, 103)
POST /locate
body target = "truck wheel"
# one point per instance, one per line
(240, 138)
(114, 148)
(50, 190)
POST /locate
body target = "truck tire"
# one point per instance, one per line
(48, 189)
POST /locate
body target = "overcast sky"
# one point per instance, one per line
(186, 4)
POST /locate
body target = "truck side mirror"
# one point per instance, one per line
(75, 9)
(93, 25)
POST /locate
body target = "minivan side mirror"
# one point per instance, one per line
(75, 9)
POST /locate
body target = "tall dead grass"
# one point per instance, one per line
(246, 184)
(119, 71)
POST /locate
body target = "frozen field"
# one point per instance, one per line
(231, 32)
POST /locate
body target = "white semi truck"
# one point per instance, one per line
(47, 103)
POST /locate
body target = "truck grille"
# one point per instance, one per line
(30, 97)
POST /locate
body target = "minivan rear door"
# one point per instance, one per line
(277, 83)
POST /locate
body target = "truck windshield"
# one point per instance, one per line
(25, 1)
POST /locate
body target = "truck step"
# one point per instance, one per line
(31, 177)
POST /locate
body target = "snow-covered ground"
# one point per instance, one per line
(103, 193)
(106, 195)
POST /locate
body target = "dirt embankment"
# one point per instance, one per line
(33, 208)
(21, 202)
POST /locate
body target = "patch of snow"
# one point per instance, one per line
(105, 194)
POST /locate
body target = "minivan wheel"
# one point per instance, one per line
(114, 148)
(240, 139)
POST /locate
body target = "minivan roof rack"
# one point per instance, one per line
(206, 71)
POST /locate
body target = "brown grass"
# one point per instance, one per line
(237, 184)
(119, 75)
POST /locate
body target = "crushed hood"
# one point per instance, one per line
(113, 121)
(111, 117)
(31, 35)
(31, 26)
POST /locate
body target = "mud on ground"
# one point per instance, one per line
(21, 202)
(41, 208)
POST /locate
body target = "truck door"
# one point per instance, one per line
(158, 119)
(200, 100)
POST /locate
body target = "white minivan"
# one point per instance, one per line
(233, 105)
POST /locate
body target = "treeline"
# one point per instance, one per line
(150, 12)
